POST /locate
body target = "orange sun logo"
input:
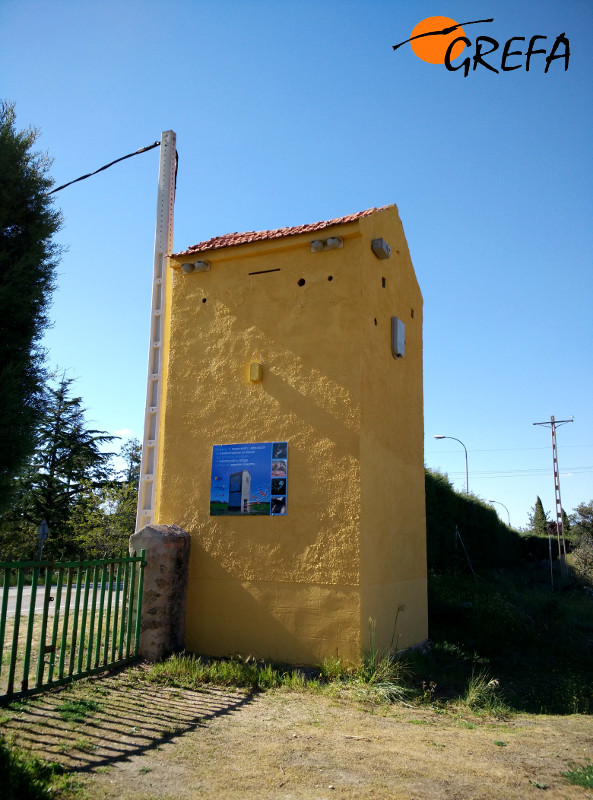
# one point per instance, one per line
(432, 36)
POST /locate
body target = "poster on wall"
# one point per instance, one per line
(249, 479)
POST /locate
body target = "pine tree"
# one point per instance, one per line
(131, 452)
(28, 258)
(103, 518)
(67, 463)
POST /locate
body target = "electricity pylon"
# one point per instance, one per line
(554, 423)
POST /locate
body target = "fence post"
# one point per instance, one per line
(162, 628)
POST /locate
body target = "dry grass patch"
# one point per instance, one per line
(128, 739)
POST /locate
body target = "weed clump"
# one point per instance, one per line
(481, 695)
(382, 675)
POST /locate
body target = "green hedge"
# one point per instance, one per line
(488, 541)
(537, 548)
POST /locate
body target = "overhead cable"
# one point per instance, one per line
(117, 160)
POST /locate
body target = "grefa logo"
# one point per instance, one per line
(440, 40)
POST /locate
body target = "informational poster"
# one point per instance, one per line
(249, 479)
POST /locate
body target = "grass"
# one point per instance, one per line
(82, 644)
(500, 644)
(77, 710)
(380, 677)
(26, 777)
(580, 775)
(191, 671)
(507, 627)
(377, 679)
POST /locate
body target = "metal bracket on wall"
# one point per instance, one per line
(398, 338)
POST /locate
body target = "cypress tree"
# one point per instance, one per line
(28, 258)
(539, 519)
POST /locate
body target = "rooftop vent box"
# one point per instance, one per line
(380, 248)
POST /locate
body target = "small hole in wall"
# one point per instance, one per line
(301, 282)
(375, 320)
(383, 282)
(203, 299)
(330, 277)
(412, 313)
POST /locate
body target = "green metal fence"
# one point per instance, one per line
(65, 620)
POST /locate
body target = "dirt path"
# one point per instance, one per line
(145, 742)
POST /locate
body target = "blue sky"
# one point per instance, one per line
(292, 112)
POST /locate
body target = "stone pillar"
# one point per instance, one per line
(162, 629)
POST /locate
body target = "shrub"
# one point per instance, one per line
(582, 560)
(537, 548)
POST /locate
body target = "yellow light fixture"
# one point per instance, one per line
(256, 370)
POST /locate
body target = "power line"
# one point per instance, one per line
(117, 160)
(507, 449)
(522, 473)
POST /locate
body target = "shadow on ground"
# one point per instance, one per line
(125, 720)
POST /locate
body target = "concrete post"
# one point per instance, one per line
(162, 629)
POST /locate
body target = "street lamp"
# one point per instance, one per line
(503, 505)
(440, 436)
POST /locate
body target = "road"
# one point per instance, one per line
(26, 599)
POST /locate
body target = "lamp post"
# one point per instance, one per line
(440, 436)
(503, 505)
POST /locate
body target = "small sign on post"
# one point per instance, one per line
(42, 534)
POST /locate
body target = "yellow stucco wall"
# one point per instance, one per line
(393, 517)
(301, 587)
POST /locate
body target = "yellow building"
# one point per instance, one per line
(310, 336)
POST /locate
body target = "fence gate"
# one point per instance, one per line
(65, 620)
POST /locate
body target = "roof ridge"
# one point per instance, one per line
(233, 239)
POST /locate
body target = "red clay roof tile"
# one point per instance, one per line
(232, 239)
